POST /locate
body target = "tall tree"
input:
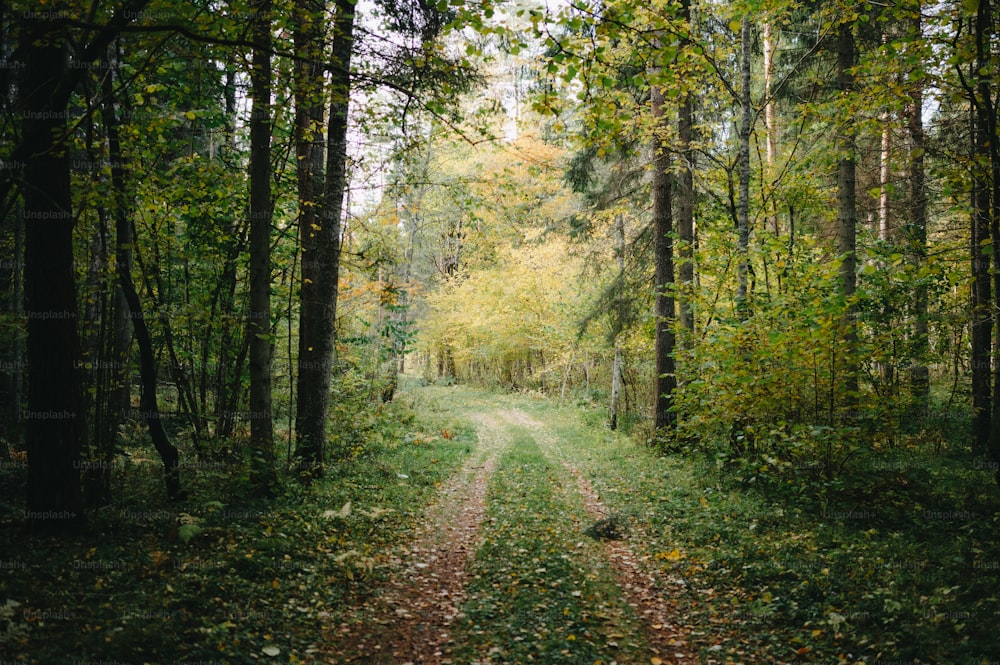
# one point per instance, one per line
(983, 243)
(847, 207)
(320, 238)
(262, 469)
(685, 178)
(663, 250)
(916, 227)
(55, 431)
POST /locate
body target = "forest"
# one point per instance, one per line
(499, 331)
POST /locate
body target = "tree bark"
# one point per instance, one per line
(743, 206)
(685, 192)
(322, 243)
(917, 235)
(981, 238)
(770, 112)
(262, 457)
(988, 205)
(54, 416)
(847, 215)
(663, 249)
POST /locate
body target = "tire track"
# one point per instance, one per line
(409, 621)
(663, 628)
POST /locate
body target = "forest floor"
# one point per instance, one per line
(611, 608)
(470, 527)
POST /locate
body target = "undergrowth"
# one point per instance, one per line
(896, 561)
(220, 577)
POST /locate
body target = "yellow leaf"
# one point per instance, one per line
(674, 556)
(190, 115)
(655, 661)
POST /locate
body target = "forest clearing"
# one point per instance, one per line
(478, 331)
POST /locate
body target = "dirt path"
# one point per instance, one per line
(648, 599)
(410, 620)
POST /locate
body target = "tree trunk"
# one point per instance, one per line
(770, 112)
(124, 244)
(743, 206)
(988, 149)
(309, 108)
(322, 243)
(685, 194)
(883, 181)
(917, 237)
(663, 248)
(262, 469)
(847, 216)
(55, 428)
(981, 236)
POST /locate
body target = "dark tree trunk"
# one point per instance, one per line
(321, 251)
(54, 416)
(309, 106)
(663, 248)
(743, 205)
(123, 259)
(685, 194)
(847, 216)
(917, 236)
(988, 152)
(981, 237)
(262, 468)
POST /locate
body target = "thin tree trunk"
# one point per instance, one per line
(616, 369)
(663, 248)
(616, 386)
(124, 244)
(262, 469)
(743, 205)
(884, 175)
(770, 112)
(685, 194)
(847, 216)
(917, 236)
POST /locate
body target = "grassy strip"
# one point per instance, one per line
(908, 575)
(236, 580)
(540, 591)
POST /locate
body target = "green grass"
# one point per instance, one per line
(253, 574)
(540, 591)
(897, 561)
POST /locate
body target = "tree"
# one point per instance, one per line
(663, 250)
(262, 467)
(320, 237)
(847, 208)
(55, 431)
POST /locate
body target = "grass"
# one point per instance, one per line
(237, 577)
(540, 590)
(898, 562)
